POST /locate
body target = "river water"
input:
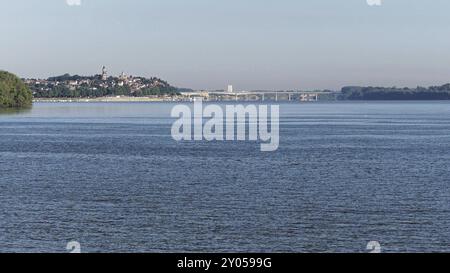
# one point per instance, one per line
(110, 176)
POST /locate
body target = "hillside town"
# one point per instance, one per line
(100, 85)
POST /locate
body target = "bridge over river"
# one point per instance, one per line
(259, 95)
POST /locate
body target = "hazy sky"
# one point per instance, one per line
(252, 44)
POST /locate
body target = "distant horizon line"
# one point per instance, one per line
(256, 89)
(246, 89)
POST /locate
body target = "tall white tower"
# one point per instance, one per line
(104, 74)
(230, 89)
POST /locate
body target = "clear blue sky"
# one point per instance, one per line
(252, 44)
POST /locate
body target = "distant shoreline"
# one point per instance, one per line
(105, 99)
(168, 100)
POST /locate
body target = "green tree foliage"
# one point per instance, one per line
(156, 91)
(13, 91)
(393, 93)
(87, 92)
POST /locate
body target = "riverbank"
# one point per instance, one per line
(107, 99)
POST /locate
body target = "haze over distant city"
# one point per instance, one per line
(252, 44)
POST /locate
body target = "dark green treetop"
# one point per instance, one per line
(13, 91)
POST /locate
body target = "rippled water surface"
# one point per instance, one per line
(111, 177)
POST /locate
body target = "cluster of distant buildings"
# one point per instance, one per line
(100, 81)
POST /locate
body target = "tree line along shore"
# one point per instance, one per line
(16, 92)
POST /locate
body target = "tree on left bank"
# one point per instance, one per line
(14, 93)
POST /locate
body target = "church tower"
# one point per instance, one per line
(104, 74)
